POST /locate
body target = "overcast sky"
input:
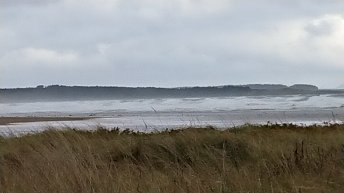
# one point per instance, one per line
(171, 42)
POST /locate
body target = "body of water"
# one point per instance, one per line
(158, 114)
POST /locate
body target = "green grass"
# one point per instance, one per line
(250, 159)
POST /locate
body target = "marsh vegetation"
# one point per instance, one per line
(260, 159)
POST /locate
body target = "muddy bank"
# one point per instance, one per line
(13, 120)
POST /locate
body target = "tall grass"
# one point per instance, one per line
(251, 159)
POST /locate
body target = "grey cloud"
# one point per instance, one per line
(130, 43)
(26, 2)
(319, 30)
(325, 26)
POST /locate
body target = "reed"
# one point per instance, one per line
(250, 159)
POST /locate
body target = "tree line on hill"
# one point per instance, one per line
(70, 93)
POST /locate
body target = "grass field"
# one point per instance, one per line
(250, 159)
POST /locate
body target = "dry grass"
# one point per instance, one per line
(251, 159)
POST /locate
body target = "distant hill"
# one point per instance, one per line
(266, 86)
(72, 93)
(67, 93)
(304, 87)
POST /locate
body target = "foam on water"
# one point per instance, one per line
(172, 105)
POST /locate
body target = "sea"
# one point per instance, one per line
(154, 115)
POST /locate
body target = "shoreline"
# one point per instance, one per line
(15, 120)
(160, 120)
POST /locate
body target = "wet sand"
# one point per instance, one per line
(13, 120)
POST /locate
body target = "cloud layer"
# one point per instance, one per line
(171, 42)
